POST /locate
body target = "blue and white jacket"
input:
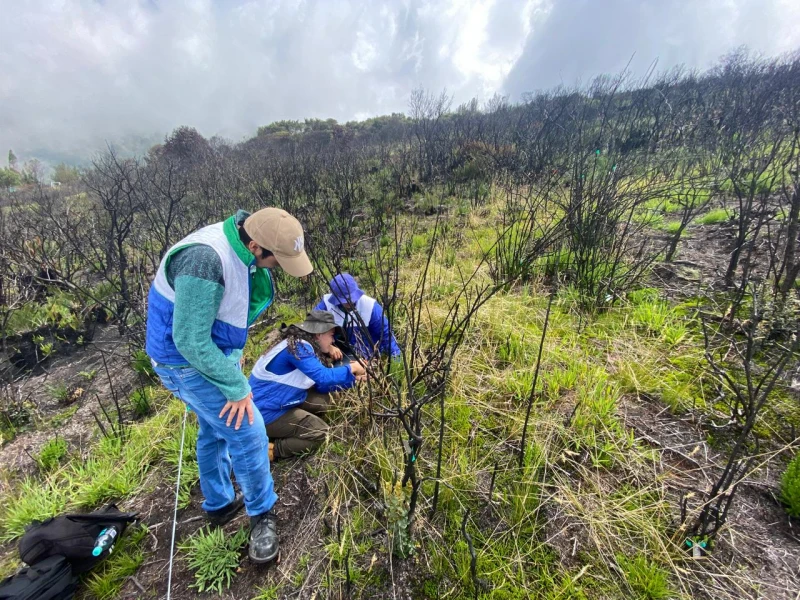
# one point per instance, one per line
(371, 313)
(280, 380)
(229, 330)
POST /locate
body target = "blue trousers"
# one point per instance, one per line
(219, 447)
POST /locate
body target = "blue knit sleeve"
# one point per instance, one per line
(326, 379)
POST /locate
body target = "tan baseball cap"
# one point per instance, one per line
(276, 230)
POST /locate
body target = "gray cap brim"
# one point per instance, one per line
(315, 327)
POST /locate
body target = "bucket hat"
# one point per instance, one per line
(318, 321)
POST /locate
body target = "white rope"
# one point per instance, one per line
(175, 512)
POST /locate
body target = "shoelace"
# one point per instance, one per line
(265, 520)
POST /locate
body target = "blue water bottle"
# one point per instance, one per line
(104, 541)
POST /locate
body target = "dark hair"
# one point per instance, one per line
(246, 239)
(292, 334)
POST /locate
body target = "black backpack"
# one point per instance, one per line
(50, 579)
(72, 536)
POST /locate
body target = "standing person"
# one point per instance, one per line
(209, 288)
(348, 300)
(291, 384)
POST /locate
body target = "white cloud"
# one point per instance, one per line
(579, 39)
(76, 72)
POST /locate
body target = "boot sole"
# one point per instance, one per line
(261, 561)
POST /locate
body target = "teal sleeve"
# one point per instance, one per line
(196, 304)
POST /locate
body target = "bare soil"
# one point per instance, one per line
(72, 418)
(757, 554)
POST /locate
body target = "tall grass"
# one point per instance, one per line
(114, 470)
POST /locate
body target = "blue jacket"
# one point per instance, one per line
(243, 283)
(280, 381)
(345, 289)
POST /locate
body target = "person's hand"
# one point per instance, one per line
(360, 378)
(357, 369)
(335, 353)
(238, 409)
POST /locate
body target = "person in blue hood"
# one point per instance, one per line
(291, 384)
(360, 316)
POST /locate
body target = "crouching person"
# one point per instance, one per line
(351, 308)
(292, 381)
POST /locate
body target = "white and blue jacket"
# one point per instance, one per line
(371, 313)
(280, 380)
(229, 330)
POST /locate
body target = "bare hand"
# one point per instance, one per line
(238, 409)
(335, 353)
(360, 378)
(356, 368)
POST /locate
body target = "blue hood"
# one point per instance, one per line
(345, 289)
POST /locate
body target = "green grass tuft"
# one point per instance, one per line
(51, 454)
(214, 557)
(141, 402)
(35, 501)
(647, 580)
(712, 217)
(59, 392)
(790, 487)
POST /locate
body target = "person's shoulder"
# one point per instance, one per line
(198, 251)
(305, 349)
(198, 260)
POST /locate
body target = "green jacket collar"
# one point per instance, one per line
(262, 288)
(231, 228)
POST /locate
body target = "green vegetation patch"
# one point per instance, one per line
(214, 557)
(790, 487)
(116, 468)
(52, 453)
(712, 217)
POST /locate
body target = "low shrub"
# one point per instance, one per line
(790, 487)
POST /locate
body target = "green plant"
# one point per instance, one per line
(396, 499)
(418, 242)
(141, 403)
(214, 557)
(88, 375)
(712, 217)
(58, 391)
(647, 580)
(51, 453)
(59, 311)
(141, 363)
(790, 487)
(33, 500)
(652, 219)
(14, 416)
(269, 592)
(64, 416)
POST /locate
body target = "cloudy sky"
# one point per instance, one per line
(74, 73)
